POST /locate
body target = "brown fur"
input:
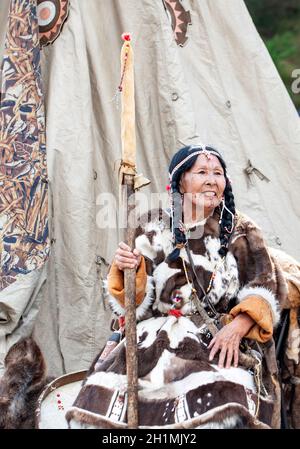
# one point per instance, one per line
(147, 357)
(224, 400)
(21, 385)
(254, 261)
(161, 412)
(182, 368)
(188, 350)
(93, 398)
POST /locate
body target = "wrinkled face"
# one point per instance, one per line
(205, 183)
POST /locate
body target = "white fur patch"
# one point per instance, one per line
(161, 274)
(268, 295)
(166, 241)
(199, 260)
(179, 329)
(105, 287)
(226, 281)
(224, 271)
(161, 240)
(225, 284)
(148, 299)
(152, 327)
(143, 244)
(115, 306)
(108, 380)
(238, 376)
(153, 226)
(233, 275)
(193, 381)
(212, 245)
(226, 423)
(163, 307)
(158, 373)
(188, 306)
(176, 329)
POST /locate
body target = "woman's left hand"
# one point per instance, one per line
(228, 339)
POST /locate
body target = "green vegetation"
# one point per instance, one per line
(278, 23)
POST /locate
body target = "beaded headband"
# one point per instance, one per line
(201, 151)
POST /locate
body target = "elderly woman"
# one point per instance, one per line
(207, 294)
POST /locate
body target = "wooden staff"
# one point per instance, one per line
(128, 172)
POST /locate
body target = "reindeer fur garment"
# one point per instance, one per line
(178, 386)
(22, 383)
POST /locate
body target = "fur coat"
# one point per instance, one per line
(178, 386)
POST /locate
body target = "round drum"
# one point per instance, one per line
(55, 400)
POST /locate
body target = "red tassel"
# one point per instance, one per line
(175, 312)
(126, 37)
(121, 321)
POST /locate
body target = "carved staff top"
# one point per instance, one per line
(128, 108)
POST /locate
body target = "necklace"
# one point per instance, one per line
(189, 226)
(213, 275)
(186, 227)
(194, 298)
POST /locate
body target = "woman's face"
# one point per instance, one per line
(205, 183)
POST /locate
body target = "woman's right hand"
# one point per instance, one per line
(125, 258)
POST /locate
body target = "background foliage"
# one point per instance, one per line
(278, 23)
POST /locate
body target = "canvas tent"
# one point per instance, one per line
(220, 87)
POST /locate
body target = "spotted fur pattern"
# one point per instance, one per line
(248, 266)
(178, 386)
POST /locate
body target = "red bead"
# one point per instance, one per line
(175, 312)
(126, 37)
